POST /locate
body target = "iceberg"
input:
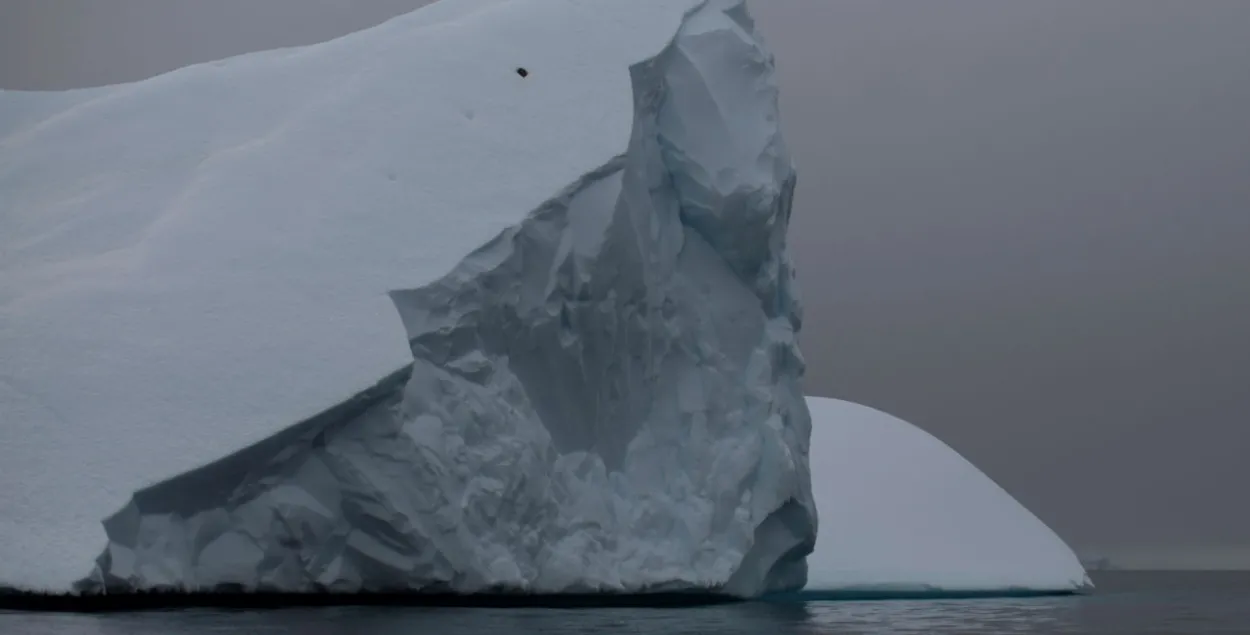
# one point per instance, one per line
(904, 515)
(494, 296)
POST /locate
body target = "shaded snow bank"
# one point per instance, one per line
(605, 396)
(904, 515)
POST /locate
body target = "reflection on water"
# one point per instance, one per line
(1165, 604)
(948, 616)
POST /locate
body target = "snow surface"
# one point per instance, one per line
(603, 396)
(902, 511)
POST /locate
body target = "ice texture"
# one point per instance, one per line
(591, 382)
(902, 512)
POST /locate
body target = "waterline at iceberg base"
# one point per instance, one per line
(918, 522)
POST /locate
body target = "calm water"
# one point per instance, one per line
(1128, 603)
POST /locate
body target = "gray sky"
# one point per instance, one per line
(1023, 226)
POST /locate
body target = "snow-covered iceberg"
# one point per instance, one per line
(591, 382)
(903, 514)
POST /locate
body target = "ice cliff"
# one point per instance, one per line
(596, 386)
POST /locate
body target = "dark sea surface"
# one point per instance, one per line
(1140, 603)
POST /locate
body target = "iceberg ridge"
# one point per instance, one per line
(604, 398)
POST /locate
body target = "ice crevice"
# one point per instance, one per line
(604, 397)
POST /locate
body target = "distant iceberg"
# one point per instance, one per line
(904, 515)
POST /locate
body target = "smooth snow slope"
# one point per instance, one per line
(902, 511)
(192, 263)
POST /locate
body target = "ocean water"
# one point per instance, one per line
(1138, 603)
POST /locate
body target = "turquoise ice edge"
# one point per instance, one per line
(861, 594)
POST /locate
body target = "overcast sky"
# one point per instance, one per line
(1023, 226)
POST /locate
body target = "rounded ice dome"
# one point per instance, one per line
(902, 512)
